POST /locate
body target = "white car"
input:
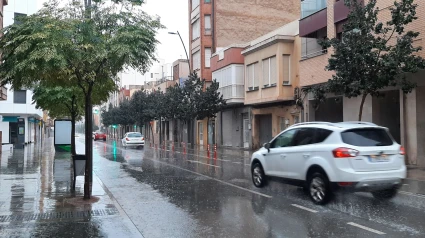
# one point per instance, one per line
(133, 139)
(325, 157)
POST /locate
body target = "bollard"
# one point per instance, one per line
(215, 151)
(208, 150)
(184, 148)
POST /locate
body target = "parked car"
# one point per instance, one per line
(98, 135)
(325, 157)
(133, 139)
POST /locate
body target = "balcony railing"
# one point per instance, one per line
(309, 7)
(232, 92)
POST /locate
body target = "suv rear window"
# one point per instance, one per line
(367, 137)
(135, 135)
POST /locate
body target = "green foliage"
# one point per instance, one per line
(62, 45)
(210, 102)
(373, 55)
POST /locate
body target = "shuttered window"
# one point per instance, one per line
(207, 23)
(195, 3)
(252, 76)
(196, 57)
(269, 72)
(207, 57)
(196, 27)
(286, 69)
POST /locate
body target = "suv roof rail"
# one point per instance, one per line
(358, 122)
(315, 122)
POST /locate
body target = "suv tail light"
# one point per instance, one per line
(345, 153)
(402, 151)
(143, 138)
(127, 139)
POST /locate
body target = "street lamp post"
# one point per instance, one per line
(187, 56)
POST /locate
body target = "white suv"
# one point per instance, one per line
(323, 157)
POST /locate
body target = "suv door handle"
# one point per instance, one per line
(306, 155)
(283, 156)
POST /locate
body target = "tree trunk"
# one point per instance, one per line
(153, 138)
(73, 150)
(88, 175)
(361, 106)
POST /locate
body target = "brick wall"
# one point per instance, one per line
(240, 21)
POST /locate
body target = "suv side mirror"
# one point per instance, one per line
(267, 146)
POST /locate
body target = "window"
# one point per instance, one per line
(196, 57)
(304, 136)
(252, 72)
(207, 1)
(284, 139)
(286, 70)
(134, 135)
(195, 4)
(20, 96)
(151, 75)
(283, 124)
(17, 17)
(367, 137)
(207, 24)
(269, 72)
(321, 135)
(196, 27)
(207, 57)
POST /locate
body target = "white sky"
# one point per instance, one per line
(174, 16)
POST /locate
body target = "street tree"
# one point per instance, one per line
(372, 55)
(82, 44)
(210, 102)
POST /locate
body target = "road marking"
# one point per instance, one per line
(366, 228)
(412, 194)
(237, 162)
(225, 160)
(304, 208)
(198, 162)
(405, 184)
(248, 165)
(217, 180)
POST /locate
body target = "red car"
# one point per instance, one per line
(99, 136)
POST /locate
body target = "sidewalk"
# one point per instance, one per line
(36, 199)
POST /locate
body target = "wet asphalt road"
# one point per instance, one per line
(169, 194)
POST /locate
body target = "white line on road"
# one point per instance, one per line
(248, 165)
(304, 208)
(194, 161)
(237, 162)
(217, 180)
(366, 228)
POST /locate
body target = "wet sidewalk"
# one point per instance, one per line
(36, 199)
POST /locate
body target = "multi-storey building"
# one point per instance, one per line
(401, 113)
(216, 24)
(21, 121)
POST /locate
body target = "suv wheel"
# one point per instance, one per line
(258, 176)
(319, 189)
(385, 194)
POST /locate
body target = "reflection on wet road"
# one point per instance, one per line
(169, 194)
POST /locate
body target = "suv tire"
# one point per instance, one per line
(385, 194)
(258, 177)
(319, 188)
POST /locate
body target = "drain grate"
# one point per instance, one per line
(65, 215)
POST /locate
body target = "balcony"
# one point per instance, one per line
(309, 7)
(231, 83)
(233, 93)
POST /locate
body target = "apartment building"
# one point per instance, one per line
(21, 122)
(217, 24)
(401, 113)
(272, 69)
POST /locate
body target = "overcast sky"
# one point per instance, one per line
(174, 16)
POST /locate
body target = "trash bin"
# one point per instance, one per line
(79, 166)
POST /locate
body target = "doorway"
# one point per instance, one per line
(13, 132)
(246, 133)
(211, 132)
(201, 132)
(265, 122)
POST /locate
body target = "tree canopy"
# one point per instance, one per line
(372, 55)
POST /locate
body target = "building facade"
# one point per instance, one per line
(21, 122)
(324, 18)
(271, 77)
(216, 24)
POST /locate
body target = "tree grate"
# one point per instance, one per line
(65, 215)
